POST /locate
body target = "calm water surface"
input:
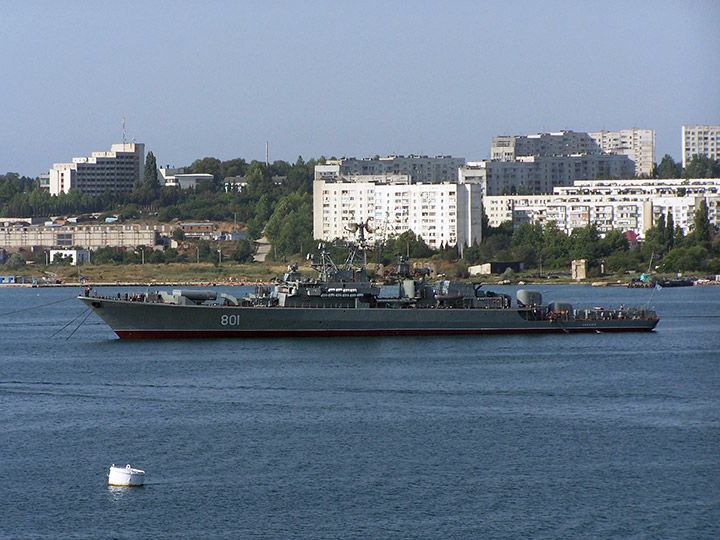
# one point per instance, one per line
(562, 436)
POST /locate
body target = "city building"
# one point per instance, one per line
(115, 171)
(89, 236)
(637, 144)
(700, 140)
(443, 214)
(536, 164)
(234, 184)
(419, 169)
(203, 229)
(177, 177)
(627, 205)
(542, 174)
(44, 182)
(560, 143)
(76, 256)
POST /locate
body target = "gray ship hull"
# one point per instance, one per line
(133, 320)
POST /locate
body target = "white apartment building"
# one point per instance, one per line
(542, 174)
(171, 177)
(442, 214)
(76, 256)
(637, 144)
(419, 169)
(560, 143)
(115, 171)
(626, 205)
(700, 140)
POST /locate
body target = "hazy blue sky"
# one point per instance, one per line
(196, 79)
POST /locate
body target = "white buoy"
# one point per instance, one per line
(125, 476)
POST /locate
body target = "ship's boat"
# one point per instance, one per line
(341, 301)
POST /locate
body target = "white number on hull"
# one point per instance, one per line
(230, 320)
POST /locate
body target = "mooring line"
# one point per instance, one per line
(79, 325)
(68, 324)
(39, 306)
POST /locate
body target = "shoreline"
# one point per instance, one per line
(221, 283)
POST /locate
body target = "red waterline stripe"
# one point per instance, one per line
(221, 334)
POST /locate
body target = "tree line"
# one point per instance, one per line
(665, 247)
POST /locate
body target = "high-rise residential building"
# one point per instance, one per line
(536, 164)
(700, 140)
(541, 174)
(115, 171)
(560, 143)
(637, 144)
(419, 169)
(445, 213)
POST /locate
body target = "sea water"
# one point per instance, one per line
(556, 436)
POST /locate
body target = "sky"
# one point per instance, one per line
(345, 78)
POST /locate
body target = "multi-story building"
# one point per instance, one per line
(560, 143)
(626, 205)
(83, 235)
(419, 169)
(538, 163)
(700, 140)
(445, 213)
(637, 144)
(179, 178)
(115, 171)
(542, 174)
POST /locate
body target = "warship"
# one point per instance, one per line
(342, 301)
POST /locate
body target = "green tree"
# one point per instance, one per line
(408, 243)
(253, 229)
(150, 176)
(670, 230)
(668, 168)
(178, 234)
(263, 208)
(556, 243)
(61, 260)
(243, 251)
(258, 183)
(233, 167)
(613, 242)
(584, 243)
(289, 229)
(684, 259)
(528, 235)
(657, 237)
(701, 166)
(15, 261)
(300, 175)
(203, 251)
(168, 213)
(208, 165)
(701, 226)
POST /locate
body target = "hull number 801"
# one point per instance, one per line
(230, 320)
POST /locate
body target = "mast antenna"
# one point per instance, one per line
(123, 133)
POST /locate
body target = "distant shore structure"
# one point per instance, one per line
(700, 141)
(536, 164)
(115, 171)
(637, 144)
